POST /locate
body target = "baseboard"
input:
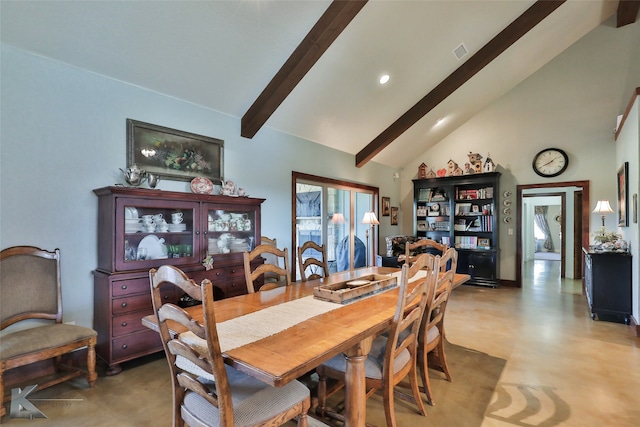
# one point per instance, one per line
(635, 324)
(509, 283)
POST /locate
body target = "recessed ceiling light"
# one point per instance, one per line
(384, 79)
(439, 121)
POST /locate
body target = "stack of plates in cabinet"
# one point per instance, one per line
(238, 245)
(213, 246)
(177, 227)
(132, 225)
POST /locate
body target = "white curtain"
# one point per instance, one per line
(540, 218)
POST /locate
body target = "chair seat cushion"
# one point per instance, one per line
(374, 363)
(253, 401)
(40, 338)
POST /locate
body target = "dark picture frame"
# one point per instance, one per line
(394, 215)
(173, 153)
(623, 195)
(386, 206)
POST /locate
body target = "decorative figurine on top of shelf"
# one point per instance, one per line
(133, 175)
(488, 166)
(152, 179)
(476, 161)
(228, 189)
(422, 171)
(442, 172)
(468, 170)
(431, 173)
(451, 167)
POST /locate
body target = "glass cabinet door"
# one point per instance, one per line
(231, 229)
(152, 230)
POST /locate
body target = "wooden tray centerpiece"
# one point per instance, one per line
(349, 290)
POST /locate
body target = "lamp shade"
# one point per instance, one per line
(338, 218)
(603, 206)
(370, 218)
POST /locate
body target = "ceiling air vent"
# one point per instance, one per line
(460, 52)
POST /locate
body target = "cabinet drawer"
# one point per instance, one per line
(139, 302)
(128, 323)
(139, 343)
(235, 286)
(131, 286)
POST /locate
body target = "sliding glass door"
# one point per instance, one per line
(329, 212)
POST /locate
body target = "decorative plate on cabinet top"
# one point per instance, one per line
(201, 185)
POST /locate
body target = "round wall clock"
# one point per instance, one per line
(550, 162)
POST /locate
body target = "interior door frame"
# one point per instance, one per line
(563, 225)
(585, 214)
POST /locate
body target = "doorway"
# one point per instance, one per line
(574, 217)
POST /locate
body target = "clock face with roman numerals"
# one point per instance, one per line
(550, 162)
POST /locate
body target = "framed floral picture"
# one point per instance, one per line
(172, 153)
(623, 195)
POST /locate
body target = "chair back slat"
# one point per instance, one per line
(412, 250)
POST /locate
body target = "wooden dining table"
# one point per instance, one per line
(289, 354)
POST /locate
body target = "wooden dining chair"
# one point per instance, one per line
(270, 277)
(206, 391)
(31, 290)
(431, 335)
(392, 356)
(251, 276)
(422, 246)
(316, 267)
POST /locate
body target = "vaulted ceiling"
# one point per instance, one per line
(311, 68)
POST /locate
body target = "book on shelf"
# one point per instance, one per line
(466, 242)
(463, 208)
(424, 195)
(474, 193)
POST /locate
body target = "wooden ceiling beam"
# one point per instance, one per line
(627, 12)
(332, 22)
(514, 31)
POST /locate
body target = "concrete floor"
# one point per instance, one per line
(519, 357)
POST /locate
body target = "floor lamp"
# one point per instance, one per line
(370, 219)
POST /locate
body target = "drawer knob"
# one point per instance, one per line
(233, 270)
(123, 286)
(124, 324)
(233, 285)
(217, 273)
(124, 304)
(124, 346)
(166, 297)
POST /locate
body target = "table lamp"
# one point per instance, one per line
(603, 207)
(370, 219)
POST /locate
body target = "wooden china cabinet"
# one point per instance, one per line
(221, 226)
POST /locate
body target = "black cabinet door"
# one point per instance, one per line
(480, 265)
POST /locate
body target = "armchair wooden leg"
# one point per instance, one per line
(92, 375)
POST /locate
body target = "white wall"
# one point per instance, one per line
(571, 103)
(628, 150)
(63, 134)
